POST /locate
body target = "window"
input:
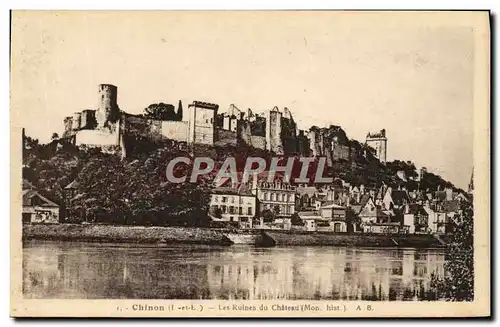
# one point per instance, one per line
(224, 209)
(249, 211)
(240, 210)
(224, 199)
(231, 209)
(216, 199)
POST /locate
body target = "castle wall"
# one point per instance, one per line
(258, 142)
(88, 120)
(99, 137)
(258, 126)
(229, 123)
(303, 145)
(226, 138)
(288, 134)
(77, 119)
(201, 129)
(174, 130)
(331, 142)
(340, 152)
(244, 132)
(68, 126)
(273, 132)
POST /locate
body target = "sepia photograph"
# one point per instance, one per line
(250, 163)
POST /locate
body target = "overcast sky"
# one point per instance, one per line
(360, 71)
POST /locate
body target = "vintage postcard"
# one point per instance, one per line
(250, 164)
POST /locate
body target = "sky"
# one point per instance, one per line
(362, 71)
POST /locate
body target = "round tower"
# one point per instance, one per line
(107, 110)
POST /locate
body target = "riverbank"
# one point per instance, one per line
(285, 238)
(211, 236)
(124, 234)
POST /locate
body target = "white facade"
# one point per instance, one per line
(234, 208)
(276, 195)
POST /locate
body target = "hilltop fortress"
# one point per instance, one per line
(276, 131)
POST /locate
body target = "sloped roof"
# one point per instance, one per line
(364, 200)
(307, 190)
(310, 215)
(356, 208)
(241, 189)
(381, 193)
(333, 206)
(74, 184)
(30, 194)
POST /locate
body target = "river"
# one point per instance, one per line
(64, 270)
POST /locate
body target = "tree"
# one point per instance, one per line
(457, 284)
(139, 193)
(296, 221)
(351, 220)
(179, 111)
(160, 111)
(217, 213)
(276, 210)
(268, 215)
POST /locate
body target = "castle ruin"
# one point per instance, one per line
(378, 141)
(274, 130)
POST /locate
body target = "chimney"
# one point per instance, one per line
(254, 184)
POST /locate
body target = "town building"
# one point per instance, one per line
(39, 209)
(312, 220)
(367, 211)
(395, 198)
(233, 204)
(278, 197)
(336, 215)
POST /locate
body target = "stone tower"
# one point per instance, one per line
(107, 110)
(378, 141)
(273, 131)
(77, 120)
(201, 123)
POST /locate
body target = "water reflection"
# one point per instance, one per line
(82, 270)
